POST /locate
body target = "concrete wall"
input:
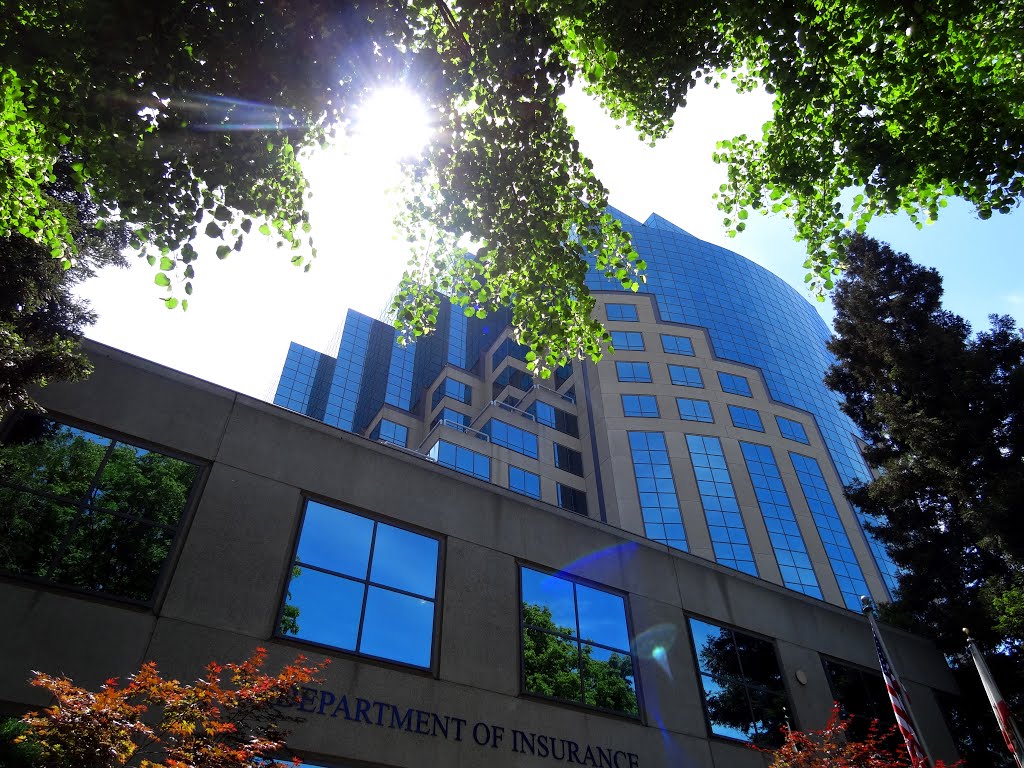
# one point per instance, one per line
(223, 594)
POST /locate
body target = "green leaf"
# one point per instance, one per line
(166, 263)
(171, 303)
(162, 280)
(223, 251)
(213, 230)
(265, 229)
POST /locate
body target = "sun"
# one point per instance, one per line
(393, 123)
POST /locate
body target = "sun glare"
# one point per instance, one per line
(393, 122)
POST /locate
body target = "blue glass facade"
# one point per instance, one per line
(735, 308)
(752, 317)
(659, 503)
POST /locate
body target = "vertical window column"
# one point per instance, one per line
(659, 503)
(783, 531)
(725, 524)
(830, 528)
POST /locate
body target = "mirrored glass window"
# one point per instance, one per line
(513, 438)
(787, 541)
(461, 459)
(85, 510)
(451, 418)
(685, 376)
(568, 459)
(642, 406)
(733, 384)
(633, 372)
(628, 341)
(576, 644)
(625, 312)
(744, 695)
(454, 389)
(746, 418)
(555, 418)
(725, 524)
(521, 481)
(862, 697)
(363, 586)
(391, 432)
(792, 430)
(830, 528)
(676, 345)
(571, 499)
(659, 504)
(694, 410)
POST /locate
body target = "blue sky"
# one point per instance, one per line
(247, 308)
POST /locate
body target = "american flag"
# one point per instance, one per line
(900, 703)
(1011, 732)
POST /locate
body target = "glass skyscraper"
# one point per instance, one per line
(709, 430)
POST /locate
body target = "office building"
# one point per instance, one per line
(708, 430)
(642, 563)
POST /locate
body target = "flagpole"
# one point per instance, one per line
(869, 612)
(1011, 733)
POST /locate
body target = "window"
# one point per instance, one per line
(633, 372)
(676, 345)
(572, 499)
(746, 418)
(508, 348)
(685, 376)
(861, 696)
(659, 504)
(451, 418)
(391, 432)
(736, 385)
(694, 410)
(362, 586)
(511, 377)
(576, 644)
(562, 374)
(725, 524)
(783, 531)
(555, 418)
(513, 438)
(628, 341)
(521, 481)
(626, 312)
(645, 406)
(87, 511)
(744, 695)
(568, 459)
(454, 389)
(792, 430)
(830, 528)
(461, 459)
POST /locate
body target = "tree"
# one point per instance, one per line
(40, 320)
(829, 748)
(184, 119)
(942, 412)
(155, 722)
(563, 669)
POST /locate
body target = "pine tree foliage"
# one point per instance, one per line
(942, 411)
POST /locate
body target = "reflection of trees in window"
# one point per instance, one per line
(743, 688)
(589, 662)
(87, 511)
(862, 697)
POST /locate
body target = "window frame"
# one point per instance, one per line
(525, 472)
(620, 311)
(162, 582)
(640, 716)
(779, 420)
(722, 384)
(684, 368)
(435, 630)
(628, 338)
(556, 445)
(733, 409)
(711, 411)
(667, 351)
(632, 375)
(639, 414)
(795, 724)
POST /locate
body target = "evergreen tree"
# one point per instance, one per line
(942, 411)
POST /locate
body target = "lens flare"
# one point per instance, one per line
(392, 122)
